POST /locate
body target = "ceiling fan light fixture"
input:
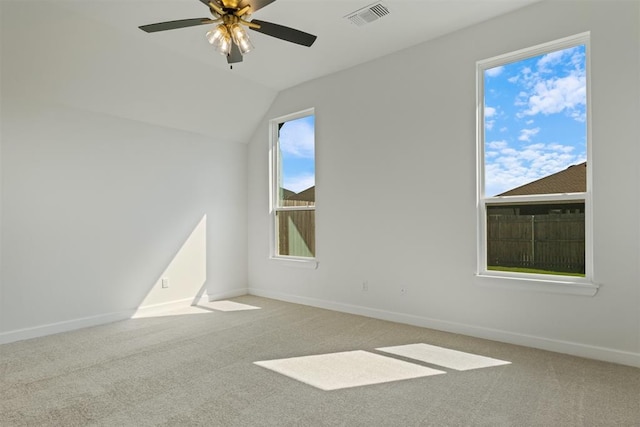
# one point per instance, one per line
(241, 39)
(231, 18)
(220, 39)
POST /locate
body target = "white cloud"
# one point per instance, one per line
(561, 148)
(558, 94)
(521, 99)
(493, 72)
(489, 112)
(497, 145)
(563, 92)
(551, 59)
(511, 168)
(297, 139)
(526, 134)
(580, 116)
(554, 85)
(509, 153)
(299, 183)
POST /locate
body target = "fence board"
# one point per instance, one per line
(296, 233)
(554, 242)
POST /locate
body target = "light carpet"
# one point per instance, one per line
(346, 369)
(227, 305)
(453, 359)
(198, 370)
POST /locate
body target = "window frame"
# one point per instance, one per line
(559, 283)
(274, 205)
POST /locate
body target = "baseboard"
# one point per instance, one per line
(66, 326)
(185, 302)
(566, 347)
(228, 294)
(148, 310)
(101, 319)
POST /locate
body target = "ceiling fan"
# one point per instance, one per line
(229, 36)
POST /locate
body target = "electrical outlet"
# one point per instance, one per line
(365, 286)
(165, 282)
(403, 290)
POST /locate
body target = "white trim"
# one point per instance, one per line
(566, 347)
(541, 49)
(225, 295)
(102, 319)
(294, 208)
(565, 283)
(309, 263)
(274, 207)
(560, 197)
(186, 302)
(164, 306)
(64, 326)
(537, 283)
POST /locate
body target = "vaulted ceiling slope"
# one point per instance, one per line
(90, 54)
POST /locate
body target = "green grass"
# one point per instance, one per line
(533, 271)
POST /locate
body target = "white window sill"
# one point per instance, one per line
(307, 263)
(584, 288)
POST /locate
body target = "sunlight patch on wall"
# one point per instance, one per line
(186, 274)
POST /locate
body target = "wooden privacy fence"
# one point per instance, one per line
(296, 233)
(553, 242)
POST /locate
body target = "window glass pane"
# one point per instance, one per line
(535, 125)
(296, 163)
(544, 238)
(296, 233)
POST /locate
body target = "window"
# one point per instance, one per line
(293, 190)
(534, 168)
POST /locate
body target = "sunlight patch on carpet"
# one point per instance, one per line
(347, 369)
(227, 306)
(440, 356)
(171, 311)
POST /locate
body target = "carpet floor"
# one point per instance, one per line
(222, 365)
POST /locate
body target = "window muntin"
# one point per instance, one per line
(533, 127)
(293, 185)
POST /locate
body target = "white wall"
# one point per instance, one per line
(99, 202)
(97, 208)
(1, 299)
(396, 189)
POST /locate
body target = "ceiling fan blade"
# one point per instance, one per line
(284, 33)
(235, 55)
(172, 25)
(255, 4)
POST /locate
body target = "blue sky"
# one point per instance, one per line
(535, 118)
(297, 148)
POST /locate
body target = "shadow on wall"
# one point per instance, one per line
(184, 279)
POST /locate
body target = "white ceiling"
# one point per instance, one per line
(90, 55)
(276, 64)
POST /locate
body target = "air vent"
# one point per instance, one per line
(368, 14)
